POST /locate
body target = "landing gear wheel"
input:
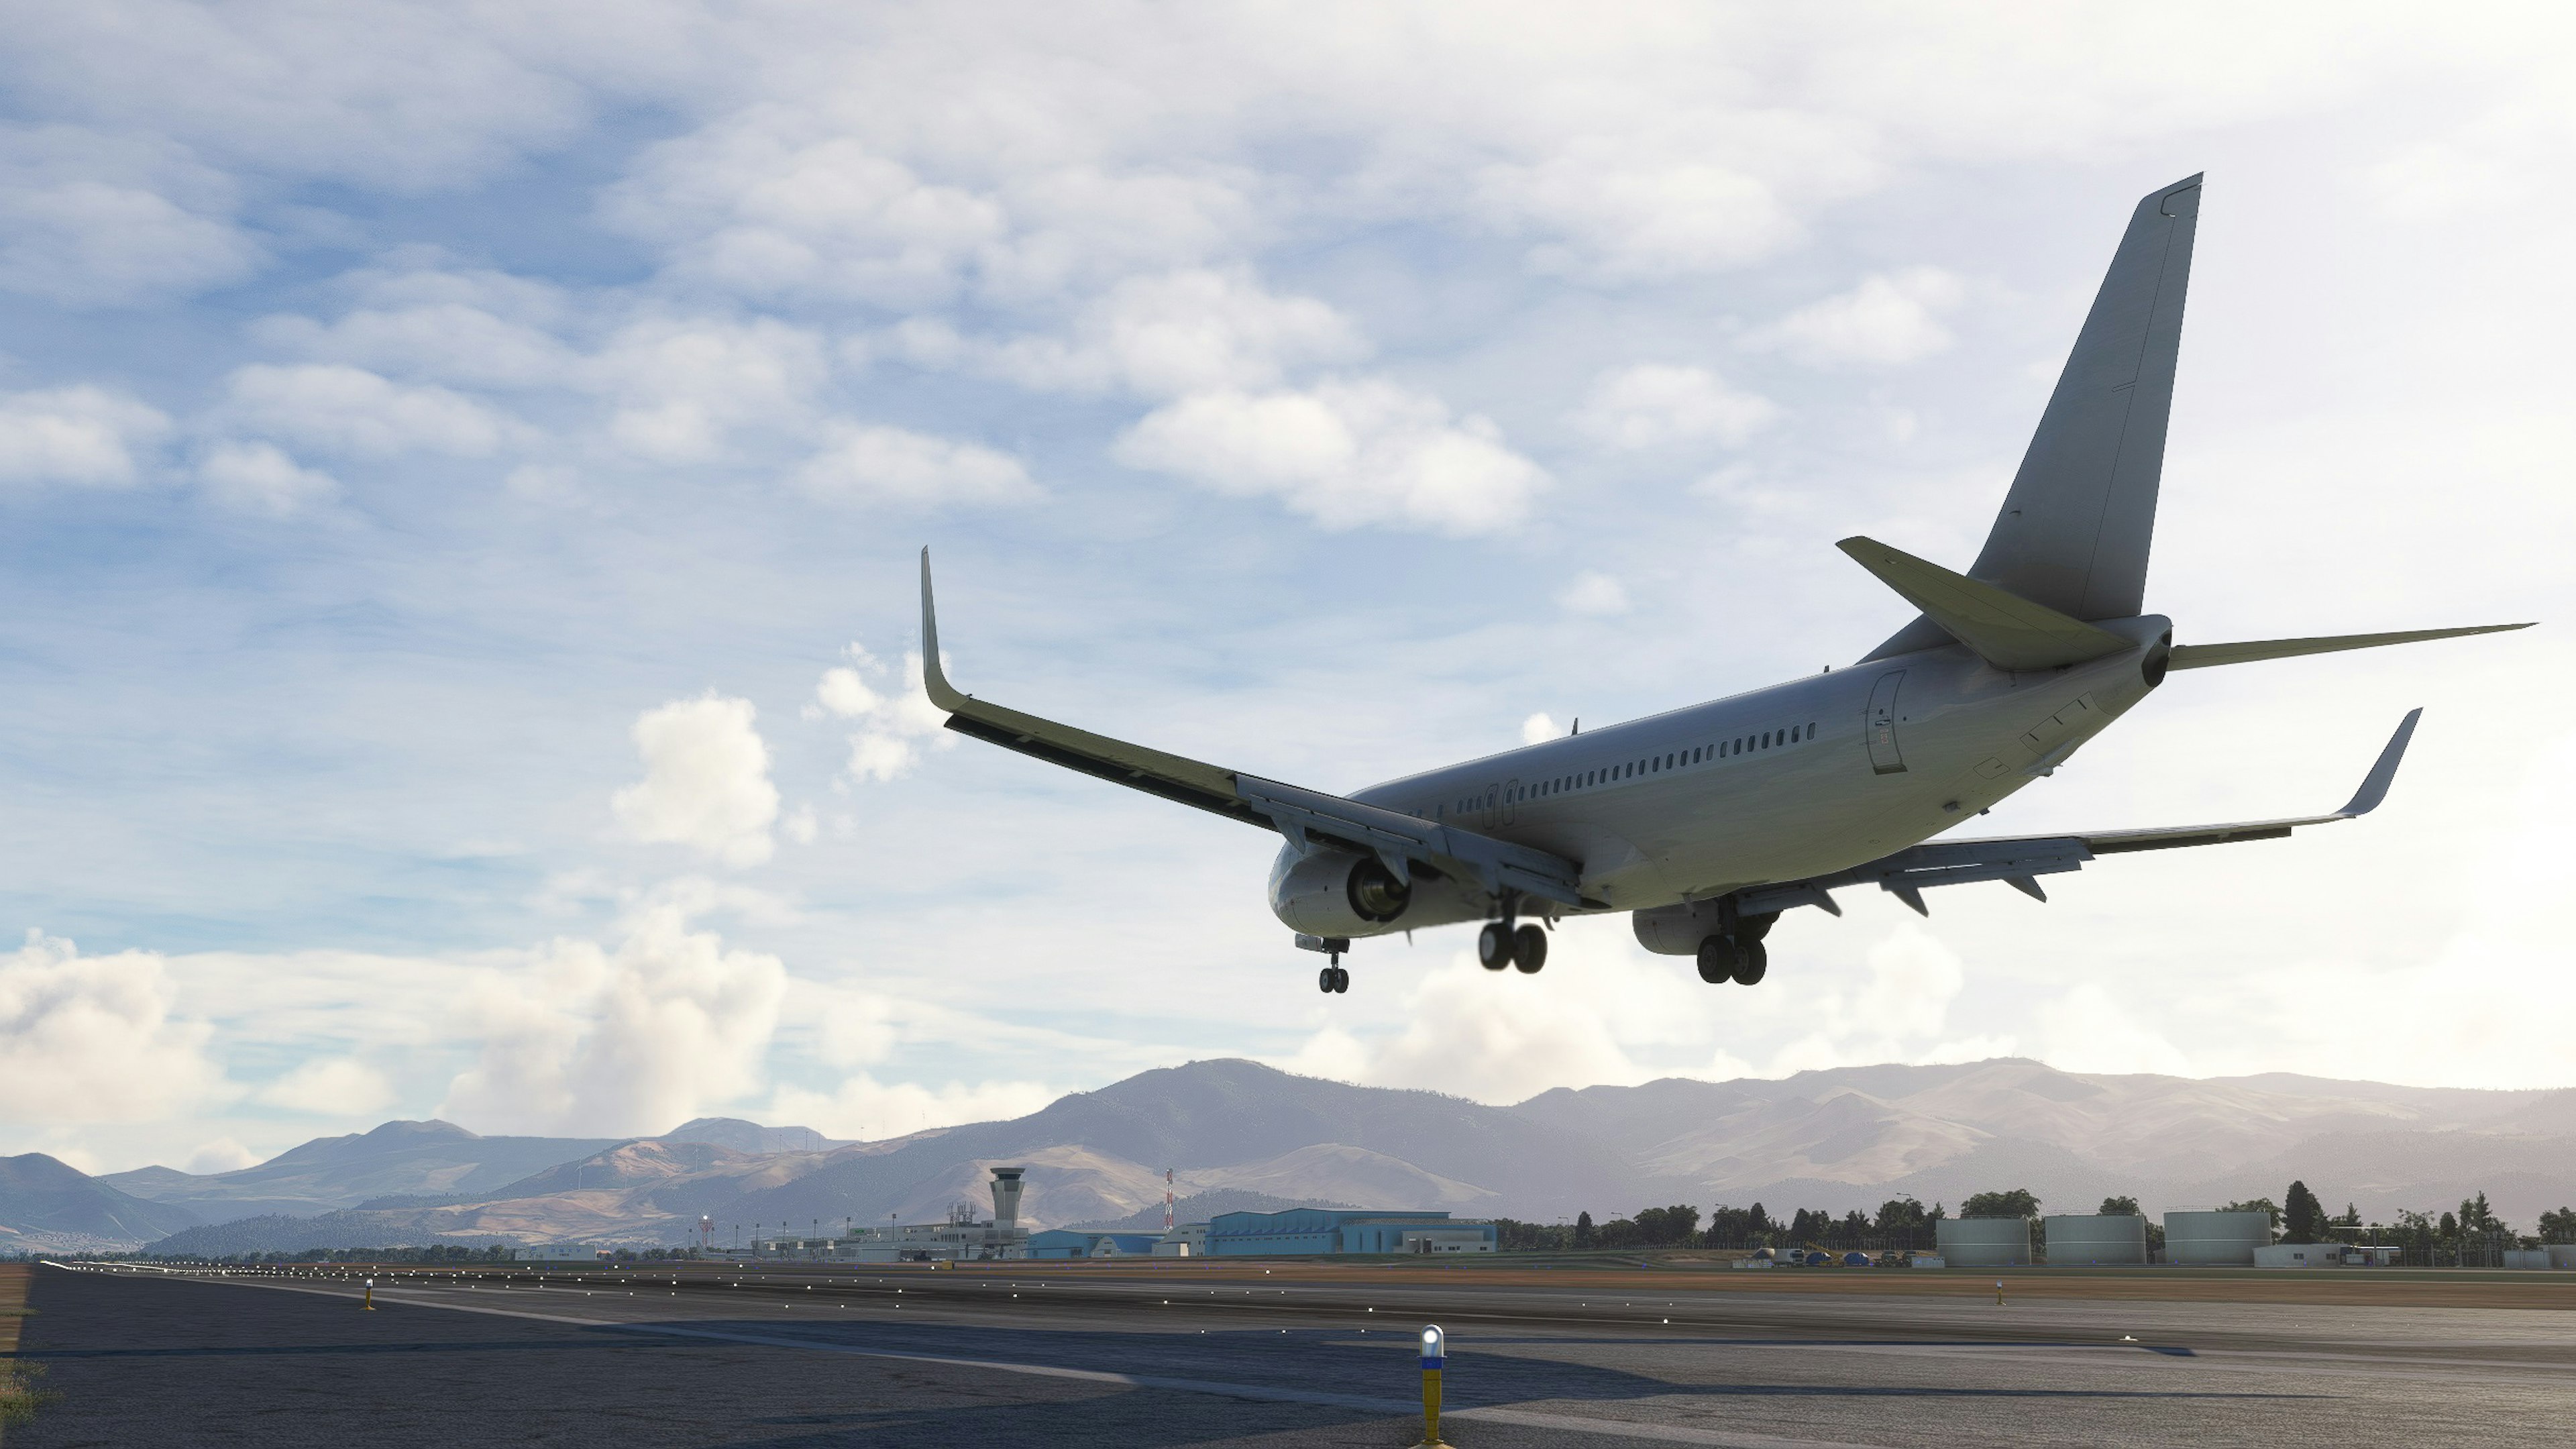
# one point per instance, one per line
(1529, 949)
(1494, 946)
(1324, 979)
(1718, 959)
(1341, 979)
(1755, 961)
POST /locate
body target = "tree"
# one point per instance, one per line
(2120, 1207)
(2558, 1227)
(2262, 1205)
(1583, 1230)
(2303, 1218)
(2019, 1202)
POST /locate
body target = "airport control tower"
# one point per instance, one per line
(1006, 1200)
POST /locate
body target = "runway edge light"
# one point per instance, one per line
(1434, 1352)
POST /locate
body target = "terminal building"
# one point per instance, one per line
(1299, 1232)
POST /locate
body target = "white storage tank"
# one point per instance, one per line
(1984, 1242)
(2084, 1239)
(2216, 1240)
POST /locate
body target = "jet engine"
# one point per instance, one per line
(1336, 893)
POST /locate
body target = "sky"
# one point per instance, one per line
(462, 469)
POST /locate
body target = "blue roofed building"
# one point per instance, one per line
(1309, 1231)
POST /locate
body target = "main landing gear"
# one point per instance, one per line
(1736, 954)
(1501, 944)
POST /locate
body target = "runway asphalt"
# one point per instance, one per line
(1102, 1354)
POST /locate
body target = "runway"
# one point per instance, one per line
(1101, 1354)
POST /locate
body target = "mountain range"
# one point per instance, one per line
(1236, 1132)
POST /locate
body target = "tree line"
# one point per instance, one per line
(1905, 1224)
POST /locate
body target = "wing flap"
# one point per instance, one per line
(1907, 873)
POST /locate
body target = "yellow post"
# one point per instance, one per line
(1434, 1352)
(369, 1303)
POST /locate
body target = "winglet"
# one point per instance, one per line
(934, 679)
(2374, 787)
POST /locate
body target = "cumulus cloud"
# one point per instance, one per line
(864, 1108)
(893, 727)
(260, 478)
(1538, 729)
(864, 464)
(1901, 1014)
(331, 1087)
(1594, 595)
(683, 387)
(221, 1155)
(706, 781)
(1652, 405)
(669, 1025)
(1197, 330)
(453, 341)
(92, 220)
(330, 405)
(1889, 319)
(93, 1039)
(86, 436)
(1347, 454)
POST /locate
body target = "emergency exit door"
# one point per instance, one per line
(1884, 757)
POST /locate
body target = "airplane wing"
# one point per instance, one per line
(1404, 843)
(2020, 861)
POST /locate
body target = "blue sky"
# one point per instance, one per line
(462, 469)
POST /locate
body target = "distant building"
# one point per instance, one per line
(1984, 1242)
(2216, 1240)
(1187, 1240)
(1307, 1231)
(1074, 1243)
(2095, 1239)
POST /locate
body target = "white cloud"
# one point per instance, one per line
(221, 1155)
(1594, 595)
(1538, 729)
(92, 1039)
(92, 220)
(895, 725)
(1347, 454)
(1652, 405)
(331, 1087)
(260, 478)
(1198, 330)
(330, 405)
(893, 465)
(78, 435)
(668, 1026)
(449, 341)
(683, 387)
(864, 1108)
(1901, 1014)
(1889, 319)
(2089, 1030)
(706, 781)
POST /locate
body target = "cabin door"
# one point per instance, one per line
(1884, 757)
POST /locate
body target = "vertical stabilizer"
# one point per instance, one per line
(2075, 529)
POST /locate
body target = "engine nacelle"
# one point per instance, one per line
(1336, 893)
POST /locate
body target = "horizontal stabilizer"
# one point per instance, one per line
(2204, 656)
(2004, 629)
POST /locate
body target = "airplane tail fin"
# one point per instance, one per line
(2075, 529)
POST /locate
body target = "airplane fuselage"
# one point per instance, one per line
(1800, 779)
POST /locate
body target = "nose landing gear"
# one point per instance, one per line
(1333, 980)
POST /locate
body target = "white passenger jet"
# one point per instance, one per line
(1705, 823)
